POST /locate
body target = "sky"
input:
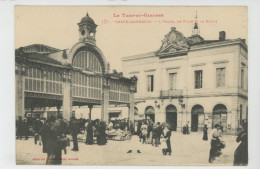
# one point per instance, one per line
(56, 26)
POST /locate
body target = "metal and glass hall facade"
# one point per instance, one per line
(50, 77)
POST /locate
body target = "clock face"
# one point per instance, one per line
(83, 32)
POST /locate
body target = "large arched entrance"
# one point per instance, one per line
(197, 111)
(220, 116)
(171, 117)
(149, 113)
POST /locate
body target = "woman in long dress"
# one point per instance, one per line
(205, 132)
(215, 140)
(89, 139)
(144, 132)
(241, 153)
(101, 136)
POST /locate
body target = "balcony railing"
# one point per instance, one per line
(171, 93)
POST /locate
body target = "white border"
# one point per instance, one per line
(7, 101)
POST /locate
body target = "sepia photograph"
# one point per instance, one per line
(131, 85)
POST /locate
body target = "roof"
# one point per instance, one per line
(40, 48)
(87, 19)
(144, 55)
(215, 41)
(196, 44)
(42, 58)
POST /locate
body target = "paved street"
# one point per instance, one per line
(187, 150)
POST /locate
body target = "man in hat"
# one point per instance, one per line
(75, 130)
(167, 136)
(50, 140)
(37, 125)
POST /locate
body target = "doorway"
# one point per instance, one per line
(194, 122)
(171, 117)
(149, 113)
(220, 116)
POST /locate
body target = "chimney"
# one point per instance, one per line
(222, 35)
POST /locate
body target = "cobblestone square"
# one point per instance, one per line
(187, 150)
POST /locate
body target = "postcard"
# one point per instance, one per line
(131, 85)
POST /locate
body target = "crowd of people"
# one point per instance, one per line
(153, 133)
(52, 135)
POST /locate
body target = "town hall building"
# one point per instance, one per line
(193, 81)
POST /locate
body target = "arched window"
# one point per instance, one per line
(171, 108)
(149, 113)
(87, 61)
(149, 110)
(197, 109)
(220, 109)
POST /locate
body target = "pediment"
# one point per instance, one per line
(173, 42)
(171, 49)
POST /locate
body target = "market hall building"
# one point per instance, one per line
(192, 80)
(49, 77)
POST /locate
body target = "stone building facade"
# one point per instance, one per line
(192, 80)
(48, 78)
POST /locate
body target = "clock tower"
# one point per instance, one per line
(87, 30)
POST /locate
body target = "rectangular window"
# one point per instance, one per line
(34, 72)
(30, 84)
(220, 77)
(50, 85)
(34, 85)
(172, 81)
(26, 84)
(42, 86)
(38, 85)
(30, 72)
(242, 78)
(198, 79)
(150, 83)
(47, 87)
(38, 73)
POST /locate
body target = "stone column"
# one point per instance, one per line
(131, 106)
(90, 109)
(67, 96)
(105, 100)
(19, 91)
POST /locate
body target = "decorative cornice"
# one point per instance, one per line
(135, 72)
(86, 100)
(43, 95)
(170, 68)
(150, 70)
(220, 62)
(199, 64)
